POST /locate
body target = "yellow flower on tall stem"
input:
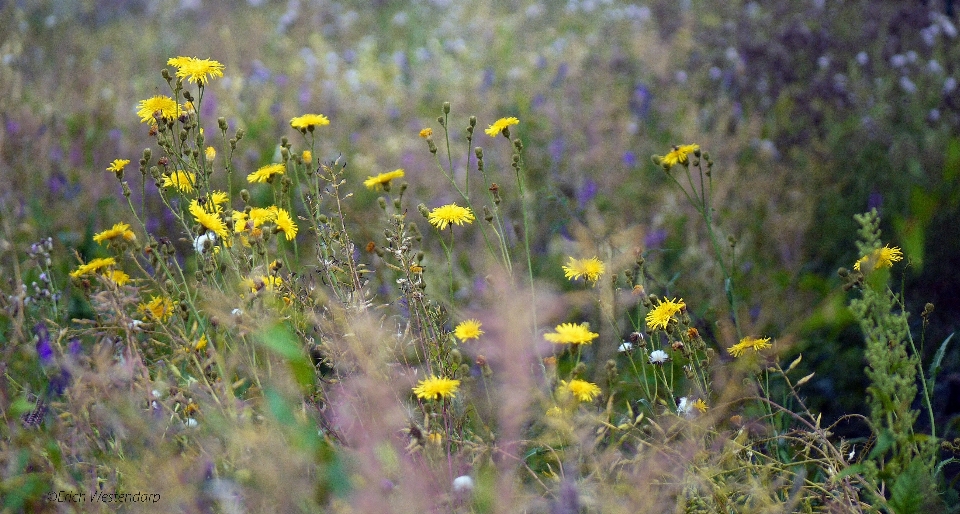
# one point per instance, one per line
(383, 179)
(570, 333)
(660, 316)
(308, 122)
(180, 180)
(210, 221)
(285, 223)
(500, 125)
(119, 230)
(92, 266)
(879, 258)
(748, 342)
(118, 165)
(468, 329)
(165, 106)
(581, 389)
(264, 173)
(450, 214)
(679, 155)
(590, 269)
(196, 70)
(436, 388)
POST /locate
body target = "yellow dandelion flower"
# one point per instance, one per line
(880, 258)
(285, 223)
(498, 126)
(377, 182)
(182, 181)
(219, 198)
(268, 282)
(264, 173)
(211, 221)
(678, 155)
(118, 231)
(590, 269)
(158, 308)
(748, 342)
(450, 214)
(660, 316)
(572, 333)
(307, 156)
(201, 343)
(581, 389)
(427, 132)
(196, 70)
(309, 121)
(210, 153)
(118, 165)
(164, 105)
(435, 438)
(468, 329)
(92, 266)
(117, 277)
(435, 388)
(700, 405)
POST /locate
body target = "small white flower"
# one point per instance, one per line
(626, 346)
(155, 393)
(236, 313)
(684, 407)
(658, 357)
(200, 243)
(852, 454)
(134, 324)
(191, 423)
(462, 484)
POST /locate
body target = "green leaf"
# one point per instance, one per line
(912, 492)
(280, 340)
(938, 358)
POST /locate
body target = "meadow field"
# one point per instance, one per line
(443, 256)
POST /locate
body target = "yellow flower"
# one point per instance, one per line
(880, 258)
(700, 405)
(572, 333)
(382, 179)
(679, 155)
(307, 156)
(591, 269)
(498, 126)
(118, 165)
(218, 199)
(264, 173)
(285, 223)
(435, 438)
(427, 132)
(210, 153)
(469, 329)
(268, 282)
(183, 181)
(158, 308)
(435, 388)
(117, 277)
(660, 316)
(749, 342)
(120, 230)
(92, 266)
(309, 121)
(164, 105)
(209, 220)
(450, 214)
(196, 70)
(201, 343)
(581, 389)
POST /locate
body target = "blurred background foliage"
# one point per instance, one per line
(812, 110)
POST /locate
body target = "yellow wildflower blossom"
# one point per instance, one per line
(92, 266)
(119, 230)
(377, 182)
(164, 105)
(118, 165)
(498, 126)
(572, 333)
(436, 388)
(210, 153)
(678, 155)
(660, 316)
(468, 329)
(307, 157)
(158, 308)
(210, 221)
(183, 181)
(264, 173)
(748, 342)
(427, 132)
(309, 121)
(880, 258)
(581, 389)
(285, 223)
(590, 269)
(196, 70)
(117, 277)
(450, 214)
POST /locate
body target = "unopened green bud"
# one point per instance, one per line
(245, 195)
(423, 210)
(382, 202)
(147, 154)
(456, 357)
(240, 133)
(222, 123)
(446, 107)
(126, 189)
